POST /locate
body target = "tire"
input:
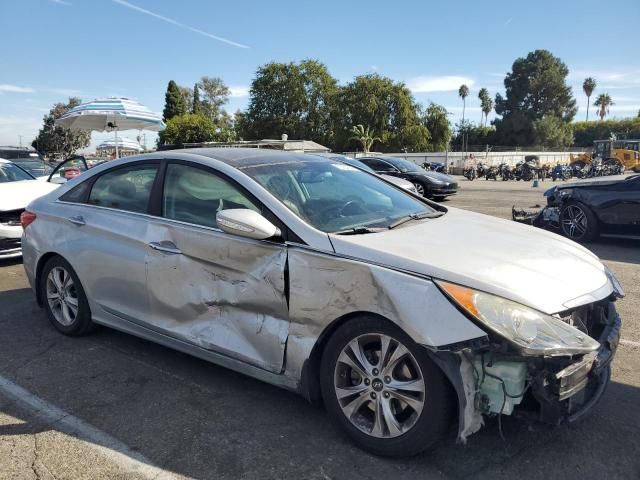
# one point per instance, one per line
(578, 223)
(439, 198)
(420, 189)
(404, 429)
(71, 315)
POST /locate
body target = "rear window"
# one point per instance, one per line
(127, 188)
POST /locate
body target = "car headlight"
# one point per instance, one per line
(536, 333)
(617, 288)
(436, 181)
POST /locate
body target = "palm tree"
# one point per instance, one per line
(588, 86)
(365, 136)
(603, 102)
(463, 92)
(486, 104)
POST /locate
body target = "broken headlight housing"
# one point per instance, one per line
(534, 332)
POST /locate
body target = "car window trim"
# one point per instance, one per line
(265, 211)
(95, 178)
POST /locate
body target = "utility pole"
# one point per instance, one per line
(20, 136)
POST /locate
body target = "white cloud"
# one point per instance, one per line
(508, 21)
(61, 2)
(446, 83)
(238, 91)
(68, 92)
(607, 79)
(373, 68)
(178, 24)
(15, 89)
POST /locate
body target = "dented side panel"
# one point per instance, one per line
(223, 293)
(325, 287)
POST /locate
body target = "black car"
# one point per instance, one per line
(583, 210)
(428, 184)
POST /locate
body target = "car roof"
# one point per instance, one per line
(240, 157)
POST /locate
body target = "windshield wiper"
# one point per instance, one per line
(360, 231)
(415, 216)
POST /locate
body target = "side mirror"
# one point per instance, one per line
(246, 223)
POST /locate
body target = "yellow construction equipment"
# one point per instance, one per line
(625, 152)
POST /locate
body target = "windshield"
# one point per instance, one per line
(12, 173)
(356, 163)
(403, 165)
(35, 166)
(334, 196)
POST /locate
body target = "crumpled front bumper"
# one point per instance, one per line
(547, 217)
(558, 389)
(570, 393)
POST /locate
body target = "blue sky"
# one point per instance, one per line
(95, 48)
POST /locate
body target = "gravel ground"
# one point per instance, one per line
(113, 406)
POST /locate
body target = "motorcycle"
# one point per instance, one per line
(561, 172)
(481, 170)
(491, 174)
(505, 172)
(469, 173)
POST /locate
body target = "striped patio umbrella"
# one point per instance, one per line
(111, 114)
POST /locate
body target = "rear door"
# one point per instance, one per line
(220, 292)
(102, 234)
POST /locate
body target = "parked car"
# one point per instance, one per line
(27, 159)
(17, 188)
(358, 164)
(326, 280)
(585, 209)
(428, 184)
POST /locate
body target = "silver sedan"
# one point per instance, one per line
(401, 315)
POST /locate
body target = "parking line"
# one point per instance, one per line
(629, 342)
(107, 446)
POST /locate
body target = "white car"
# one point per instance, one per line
(17, 189)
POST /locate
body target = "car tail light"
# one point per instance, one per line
(27, 218)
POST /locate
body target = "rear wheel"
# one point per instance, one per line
(578, 222)
(64, 298)
(382, 389)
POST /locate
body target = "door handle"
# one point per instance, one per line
(166, 247)
(77, 220)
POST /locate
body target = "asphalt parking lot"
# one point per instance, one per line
(113, 406)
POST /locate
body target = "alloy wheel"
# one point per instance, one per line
(62, 296)
(574, 221)
(419, 189)
(379, 385)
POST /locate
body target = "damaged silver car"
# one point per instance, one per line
(324, 279)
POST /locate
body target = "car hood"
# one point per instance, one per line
(440, 176)
(525, 264)
(596, 181)
(400, 182)
(17, 195)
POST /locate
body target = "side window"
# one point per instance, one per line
(77, 194)
(377, 165)
(194, 195)
(127, 188)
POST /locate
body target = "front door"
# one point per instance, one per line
(217, 291)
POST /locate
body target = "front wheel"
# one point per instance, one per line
(383, 389)
(419, 188)
(64, 299)
(578, 222)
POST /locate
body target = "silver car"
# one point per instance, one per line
(404, 317)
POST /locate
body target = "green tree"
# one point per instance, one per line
(214, 95)
(588, 86)
(435, 119)
(53, 140)
(586, 132)
(196, 107)
(550, 131)
(174, 102)
(189, 128)
(387, 107)
(463, 93)
(535, 87)
(298, 99)
(477, 135)
(364, 136)
(486, 104)
(603, 102)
